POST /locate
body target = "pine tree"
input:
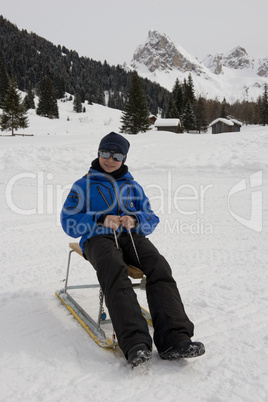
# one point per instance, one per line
(29, 100)
(200, 114)
(135, 117)
(77, 103)
(47, 105)
(178, 97)
(4, 80)
(189, 118)
(14, 115)
(224, 109)
(59, 87)
(188, 91)
(264, 106)
(172, 111)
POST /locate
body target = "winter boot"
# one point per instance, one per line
(184, 349)
(138, 354)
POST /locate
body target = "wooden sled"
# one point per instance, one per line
(95, 328)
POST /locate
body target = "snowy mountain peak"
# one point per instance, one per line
(214, 63)
(236, 59)
(160, 53)
(233, 76)
(263, 67)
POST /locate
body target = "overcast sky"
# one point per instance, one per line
(112, 29)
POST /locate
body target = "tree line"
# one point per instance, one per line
(195, 113)
(29, 58)
(36, 66)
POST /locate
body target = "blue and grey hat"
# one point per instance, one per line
(114, 142)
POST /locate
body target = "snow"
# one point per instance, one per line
(167, 122)
(235, 121)
(229, 122)
(210, 193)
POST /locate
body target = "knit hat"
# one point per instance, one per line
(114, 142)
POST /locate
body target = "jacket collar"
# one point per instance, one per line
(121, 174)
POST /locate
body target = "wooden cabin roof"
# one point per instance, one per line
(167, 122)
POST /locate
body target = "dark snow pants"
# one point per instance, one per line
(171, 324)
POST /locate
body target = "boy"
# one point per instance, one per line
(102, 208)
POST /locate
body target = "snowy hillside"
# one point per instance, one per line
(235, 76)
(210, 192)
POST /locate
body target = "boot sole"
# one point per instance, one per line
(187, 355)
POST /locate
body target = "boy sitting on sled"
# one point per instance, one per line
(104, 208)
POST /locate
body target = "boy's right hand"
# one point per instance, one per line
(112, 222)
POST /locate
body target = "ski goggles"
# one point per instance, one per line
(115, 155)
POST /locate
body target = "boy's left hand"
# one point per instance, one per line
(128, 222)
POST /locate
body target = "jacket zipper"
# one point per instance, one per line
(103, 196)
(74, 198)
(128, 191)
(105, 199)
(117, 198)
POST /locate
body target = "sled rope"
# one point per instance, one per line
(134, 246)
(115, 239)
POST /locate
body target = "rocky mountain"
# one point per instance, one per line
(236, 59)
(234, 76)
(160, 53)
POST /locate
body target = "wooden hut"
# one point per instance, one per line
(152, 119)
(172, 125)
(222, 125)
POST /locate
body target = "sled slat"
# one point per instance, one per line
(133, 272)
(75, 247)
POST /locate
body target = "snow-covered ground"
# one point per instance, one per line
(210, 192)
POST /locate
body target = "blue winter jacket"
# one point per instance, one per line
(98, 193)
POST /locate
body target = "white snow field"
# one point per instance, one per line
(210, 192)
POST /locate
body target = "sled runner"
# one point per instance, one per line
(95, 328)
